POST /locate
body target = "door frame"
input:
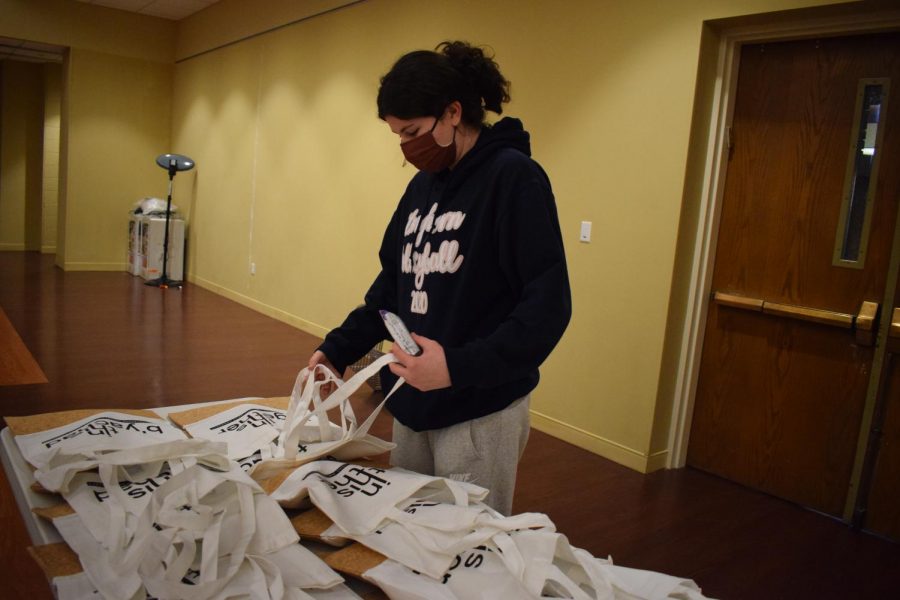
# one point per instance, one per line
(729, 42)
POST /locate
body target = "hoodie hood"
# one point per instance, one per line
(507, 133)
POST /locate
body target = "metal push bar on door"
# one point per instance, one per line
(862, 323)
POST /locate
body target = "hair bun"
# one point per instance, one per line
(480, 70)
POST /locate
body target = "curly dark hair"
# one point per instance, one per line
(422, 83)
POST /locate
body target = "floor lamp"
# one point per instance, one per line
(173, 163)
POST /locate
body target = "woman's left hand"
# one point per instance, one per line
(425, 372)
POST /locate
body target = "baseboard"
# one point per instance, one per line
(48, 249)
(657, 460)
(90, 266)
(11, 247)
(601, 446)
(261, 307)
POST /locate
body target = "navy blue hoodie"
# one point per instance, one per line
(472, 258)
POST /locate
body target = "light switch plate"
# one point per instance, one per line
(585, 231)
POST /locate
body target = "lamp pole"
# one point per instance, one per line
(172, 163)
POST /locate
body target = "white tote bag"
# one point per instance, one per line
(98, 508)
(421, 521)
(300, 568)
(547, 564)
(292, 572)
(427, 536)
(70, 434)
(200, 526)
(113, 567)
(476, 574)
(450, 528)
(308, 434)
(247, 426)
(209, 527)
(99, 566)
(359, 498)
(647, 585)
(79, 587)
(59, 469)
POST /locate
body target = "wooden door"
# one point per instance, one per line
(782, 389)
(879, 508)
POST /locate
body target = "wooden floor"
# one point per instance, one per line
(105, 340)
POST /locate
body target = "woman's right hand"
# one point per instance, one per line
(319, 358)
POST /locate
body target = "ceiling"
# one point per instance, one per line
(174, 10)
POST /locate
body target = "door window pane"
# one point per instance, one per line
(860, 183)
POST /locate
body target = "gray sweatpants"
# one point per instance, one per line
(483, 451)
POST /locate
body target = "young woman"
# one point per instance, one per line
(473, 262)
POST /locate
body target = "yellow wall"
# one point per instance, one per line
(34, 156)
(296, 175)
(61, 212)
(226, 21)
(115, 118)
(119, 119)
(50, 171)
(20, 155)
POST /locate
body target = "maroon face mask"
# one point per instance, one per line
(427, 155)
